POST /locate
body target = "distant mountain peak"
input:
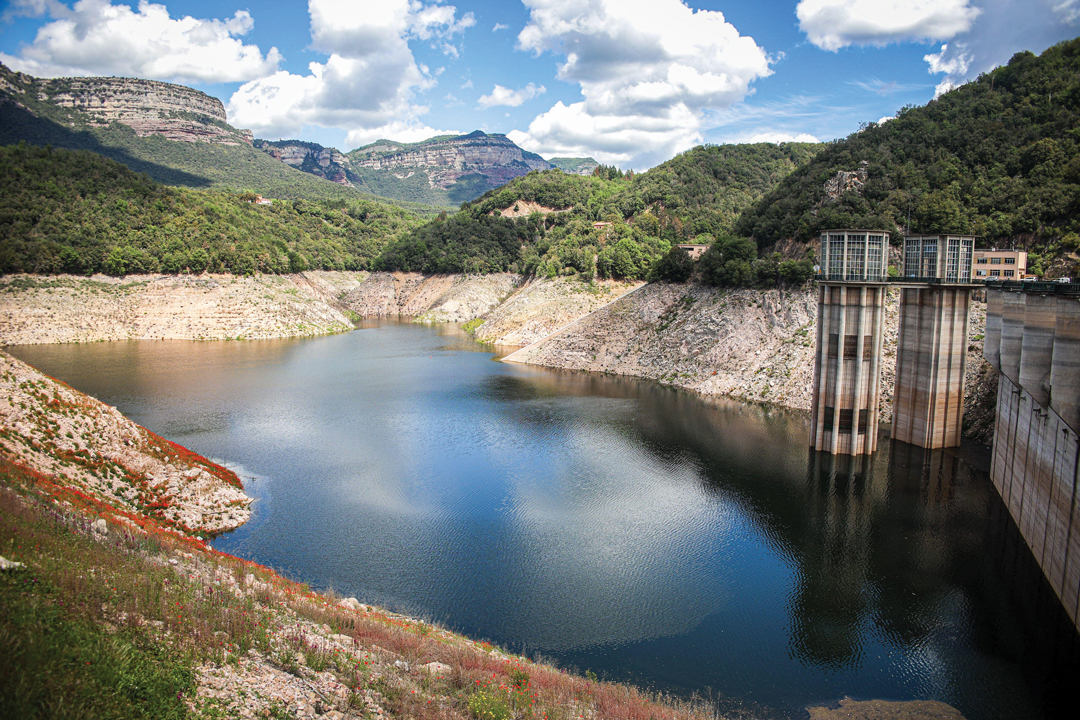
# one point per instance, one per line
(442, 170)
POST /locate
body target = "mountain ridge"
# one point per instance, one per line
(441, 170)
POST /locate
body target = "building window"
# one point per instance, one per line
(980, 273)
(1010, 261)
(856, 257)
(1008, 273)
(836, 257)
(826, 423)
(995, 273)
(995, 261)
(863, 421)
(851, 346)
(980, 260)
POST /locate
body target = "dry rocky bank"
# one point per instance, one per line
(753, 345)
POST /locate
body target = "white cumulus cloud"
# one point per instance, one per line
(978, 35)
(647, 69)
(367, 86)
(1002, 29)
(96, 37)
(511, 98)
(834, 24)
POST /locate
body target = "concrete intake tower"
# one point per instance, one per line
(932, 343)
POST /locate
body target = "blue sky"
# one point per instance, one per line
(629, 82)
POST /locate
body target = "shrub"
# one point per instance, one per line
(676, 266)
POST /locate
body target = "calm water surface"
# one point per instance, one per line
(683, 544)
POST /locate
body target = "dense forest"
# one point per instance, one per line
(78, 212)
(998, 157)
(608, 224)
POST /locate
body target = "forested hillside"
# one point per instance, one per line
(78, 212)
(695, 197)
(998, 157)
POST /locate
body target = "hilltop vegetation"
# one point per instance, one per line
(78, 212)
(998, 157)
(609, 224)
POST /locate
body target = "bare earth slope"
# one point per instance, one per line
(753, 345)
(90, 447)
(430, 298)
(68, 308)
(540, 307)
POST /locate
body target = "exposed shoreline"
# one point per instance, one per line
(748, 344)
(75, 458)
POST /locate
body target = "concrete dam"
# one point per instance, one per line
(1032, 339)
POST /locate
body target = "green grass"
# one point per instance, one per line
(62, 656)
(91, 672)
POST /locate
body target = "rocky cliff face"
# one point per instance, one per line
(441, 171)
(445, 160)
(311, 158)
(147, 106)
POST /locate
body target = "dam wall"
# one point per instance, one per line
(1035, 346)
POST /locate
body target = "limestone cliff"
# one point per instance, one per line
(147, 106)
(446, 170)
(446, 159)
(311, 158)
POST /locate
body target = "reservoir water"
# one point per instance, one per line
(684, 544)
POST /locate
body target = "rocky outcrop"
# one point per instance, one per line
(846, 181)
(575, 166)
(441, 171)
(430, 298)
(445, 160)
(148, 107)
(311, 158)
(89, 447)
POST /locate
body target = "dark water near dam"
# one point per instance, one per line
(652, 536)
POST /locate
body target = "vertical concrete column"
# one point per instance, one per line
(992, 338)
(1012, 335)
(1065, 365)
(847, 367)
(1037, 346)
(931, 356)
